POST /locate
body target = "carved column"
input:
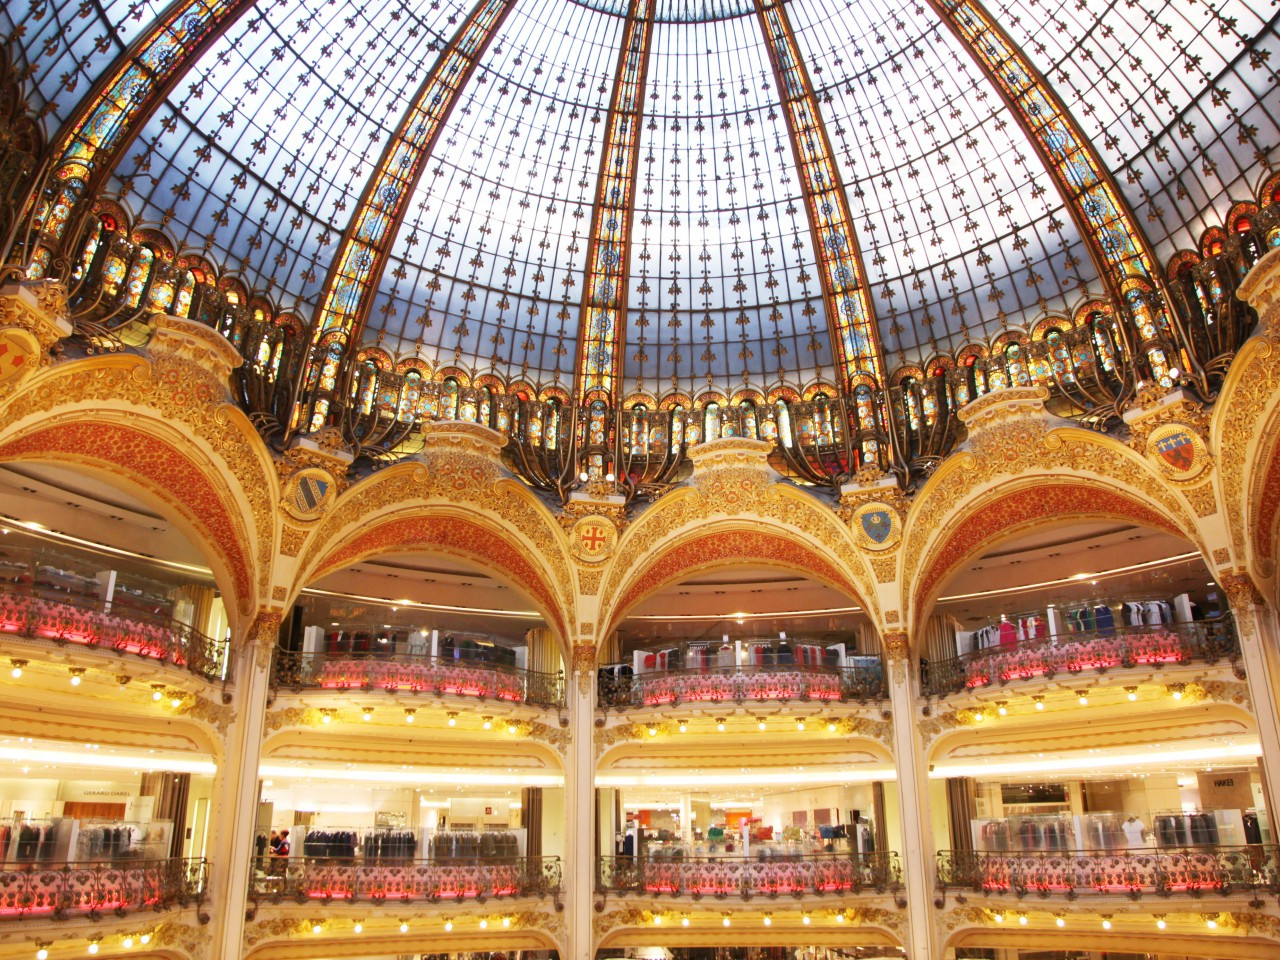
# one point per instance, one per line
(235, 792)
(923, 940)
(1259, 629)
(580, 865)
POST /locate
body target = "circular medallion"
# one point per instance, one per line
(19, 356)
(308, 493)
(593, 539)
(1179, 451)
(876, 526)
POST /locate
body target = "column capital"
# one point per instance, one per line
(895, 645)
(584, 665)
(264, 634)
(1241, 590)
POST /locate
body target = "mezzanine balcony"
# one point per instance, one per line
(40, 890)
(403, 881)
(43, 617)
(1121, 648)
(744, 878)
(395, 671)
(1206, 871)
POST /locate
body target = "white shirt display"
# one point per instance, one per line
(1133, 831)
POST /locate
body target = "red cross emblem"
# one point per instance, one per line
(594, 538)
(11, 359)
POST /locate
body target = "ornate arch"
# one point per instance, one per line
(733, 513)
(456, 498)
(1020, 472)
(165, 424)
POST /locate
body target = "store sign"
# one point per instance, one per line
(1226, 790)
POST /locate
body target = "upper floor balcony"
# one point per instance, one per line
(382, 666)
(366, 879)
(766, 875)
(43, 615)
(43, 890)
(1130, 648)
(751, 672)
(1199, 871)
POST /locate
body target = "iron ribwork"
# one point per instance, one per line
(115, 110)
(1120, 251)
(849, 312)
(604, 300)
(348, 292)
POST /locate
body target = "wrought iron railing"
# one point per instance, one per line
(1218, 871)
(61, 890)
(743, 878)
(99, 624)
(417, 673)
(739, 683)
(1205, 641)
(301, 879)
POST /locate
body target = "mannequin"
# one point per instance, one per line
(1135, 831)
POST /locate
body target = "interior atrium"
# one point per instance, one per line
(639, 479)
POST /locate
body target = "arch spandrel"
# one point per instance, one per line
(458, 504)
(178, 439)
(1021, 472)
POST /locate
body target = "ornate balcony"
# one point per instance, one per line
(741, 683)
(417, 673)
(742, 878)
(1203, 871)
(304, 879)
(1206, 641)
(60, 891)
(64, 618)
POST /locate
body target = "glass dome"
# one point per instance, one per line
(259, 156)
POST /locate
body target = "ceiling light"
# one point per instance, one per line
(317, 927)
(157, 692)
(684, 727)
(1160, 923)
(1083, 697)
(657, 919)
(17, 665)
(484, 924)
(1039, 700)
(409, 713)
(684, 920)
(77, 674)
(42, 953)
(512, 728)
(653, 731)
(725, 921)
(145, 939)
(1211, 923)
(720, 724)
(831, 726)
(359, 927)
(1176, 690)
(1060, 920)
(1132, 692)
(840, 917)
(1002, 708)
(366, 714)
(404, 926)
(448, 926)
(326, 715)
(1106, 921)
(123, 680)
(768, 920)
(127, 943)
(1022, 919)
(93, 947)
(488, 723)
(799, 723)
(453, 720)
(804, 918)
(760, 724)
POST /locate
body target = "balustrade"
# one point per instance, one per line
(60, 890)
(743, 878)
(301, 879)
(1207, 641)
(63, 618)
(417, 673)
(1217, 871)
(740, 682)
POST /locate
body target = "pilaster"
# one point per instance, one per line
(923, 941)
(235, 798)
(580, 865)
(1258, 626)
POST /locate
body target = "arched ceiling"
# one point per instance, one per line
(263, 149)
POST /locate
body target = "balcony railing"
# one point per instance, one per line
(90, 622)
(1213, 871)
(61, 890)
(743, 878)
(739, 683)
(1205, 641)
(302, 879)
(417, 673)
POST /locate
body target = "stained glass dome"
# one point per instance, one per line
(258, 156)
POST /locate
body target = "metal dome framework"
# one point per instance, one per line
(615, 234)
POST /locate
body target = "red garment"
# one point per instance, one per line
(1008, 634)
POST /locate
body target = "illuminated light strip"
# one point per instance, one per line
(109, 761)
(348, 292)
(609, 250)
(1120, 250)
(1090, 762)
(849, 313)
(364, 772)
(135, 85)
(417, 605)
(756, 778)
(1077, 578)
